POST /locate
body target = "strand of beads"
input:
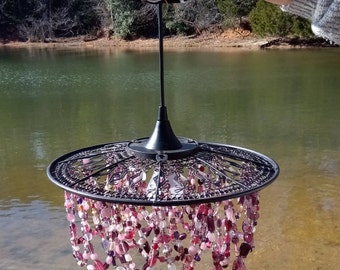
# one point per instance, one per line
(171, 235)
(249, 205)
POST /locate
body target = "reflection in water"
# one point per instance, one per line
(30, 236)
(38, 149)
(275, 102)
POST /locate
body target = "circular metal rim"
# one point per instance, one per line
(51, 168)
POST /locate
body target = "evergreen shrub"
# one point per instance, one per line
(268, 20)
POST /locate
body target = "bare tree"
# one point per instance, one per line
(146, 20)
(103, 10)
(44, 21)
(198, 14)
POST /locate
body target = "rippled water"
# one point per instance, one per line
(284, 104)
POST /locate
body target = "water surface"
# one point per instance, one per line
(284, 104)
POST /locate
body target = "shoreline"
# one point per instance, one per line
(226, 40)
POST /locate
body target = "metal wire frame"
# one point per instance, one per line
(112, 173)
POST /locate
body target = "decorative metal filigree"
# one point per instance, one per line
(112, 173)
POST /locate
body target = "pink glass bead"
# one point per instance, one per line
(152, 261)
(247, 227)
(99, 265)
(71, 217)
(248, 237)
(165, 238)
(203, 246)
(192, 250)
(94, 256)
(86, 160)
(230, 215)
(108, 260)
(211, 236)
(122, 248)
(68, 203)
(86, 255)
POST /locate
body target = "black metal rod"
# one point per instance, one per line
(161, 51)
(163, 137)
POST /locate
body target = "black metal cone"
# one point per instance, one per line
(163, 138)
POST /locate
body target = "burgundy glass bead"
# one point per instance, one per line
(211, 223)
(245, 249)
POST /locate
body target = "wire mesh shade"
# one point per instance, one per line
(113, 173)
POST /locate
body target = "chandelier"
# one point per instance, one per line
(162, 202)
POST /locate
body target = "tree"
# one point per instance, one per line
(146, 21)
(124, 17)
(268, 19)
(232, 9)
(93, 16)
(44, 20)
(193, 16)
(12, 12)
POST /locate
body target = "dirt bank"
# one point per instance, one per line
(229, 39)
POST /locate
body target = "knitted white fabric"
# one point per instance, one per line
(324, 15)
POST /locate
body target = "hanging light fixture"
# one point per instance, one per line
(163, 200)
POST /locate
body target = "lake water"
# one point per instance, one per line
(285, 104)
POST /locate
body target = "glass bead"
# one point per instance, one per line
(94, 256)
(128, 257)
(157, 230)
(86, 255)
(172, 266)
(182, 236)
(88, 236)
(154, 246)
(108, 260)
(68, 203)
(245, 249)
(248, 237)
(192, 250)
(210, 223)
(152, 261)
(147, 247)
(197, 257)
(99, 265)
(211, 236)
(71, 217)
